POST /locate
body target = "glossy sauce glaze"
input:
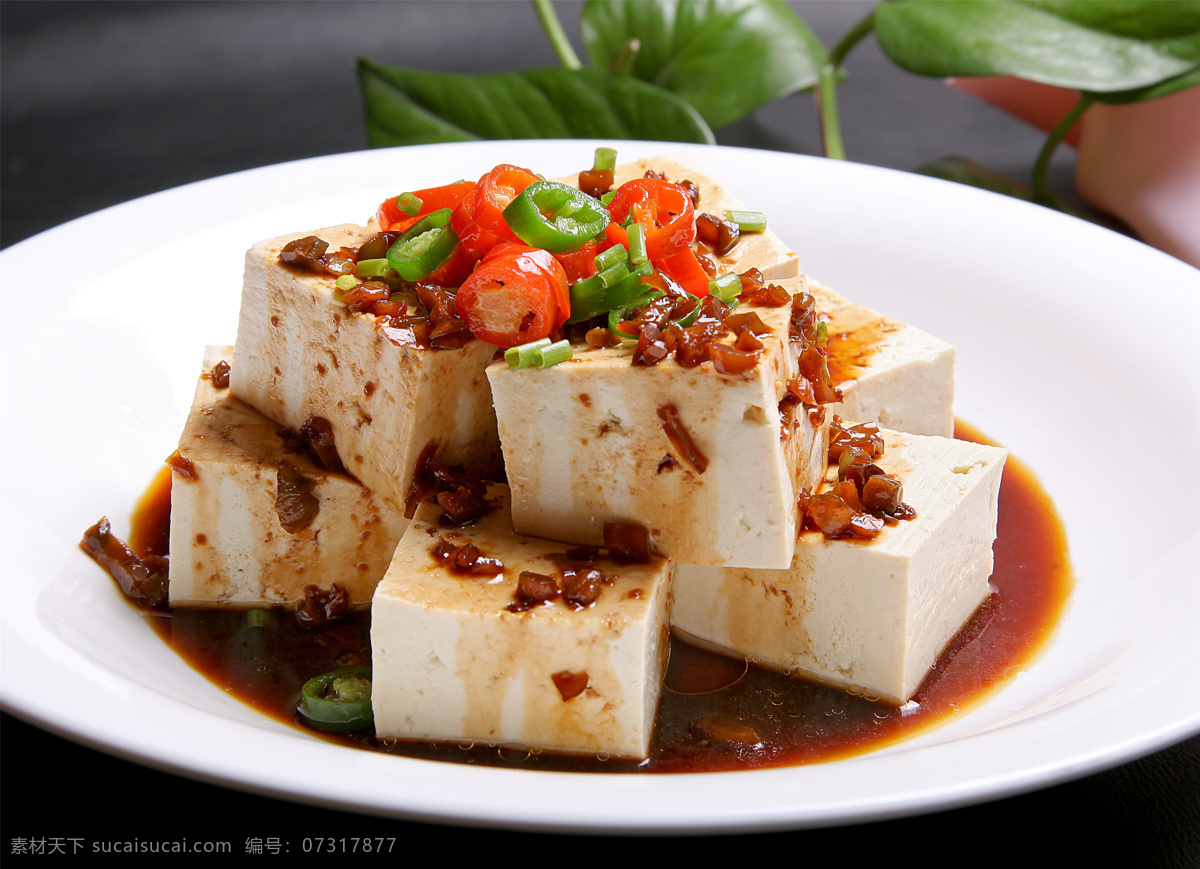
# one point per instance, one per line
(716, 713)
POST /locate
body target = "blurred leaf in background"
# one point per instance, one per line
(412, 107)
(725, 57)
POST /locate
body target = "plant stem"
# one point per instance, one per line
(826, 91)
(1040, 168)
(558, 37)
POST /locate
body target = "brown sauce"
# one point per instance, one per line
(715, 713)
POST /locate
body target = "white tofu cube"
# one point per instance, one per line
(452, 662)
(864, 615)
(228, 546)
(302, 354)
(889, 372)
(585, 444)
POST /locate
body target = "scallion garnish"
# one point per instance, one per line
(553, 354)
(346, 283)
(726, 287)
(605, 160)
(822, 333)
(409, 203)
(609, 258)
(637, 245)
(373, 268)
(748, 221)
(525, 355)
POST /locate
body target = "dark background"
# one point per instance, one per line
(105, 102)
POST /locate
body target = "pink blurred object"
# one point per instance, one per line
(1139, 162)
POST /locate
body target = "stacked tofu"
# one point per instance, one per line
(463, 655)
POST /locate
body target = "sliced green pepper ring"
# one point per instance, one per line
(339, 701)
(424, 246)
(555, 217)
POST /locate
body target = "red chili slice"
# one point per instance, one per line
(664, 211)
(515, 295)
(685, 269)
(479, 217)
(392, 219)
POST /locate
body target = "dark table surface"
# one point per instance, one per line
(105, 102)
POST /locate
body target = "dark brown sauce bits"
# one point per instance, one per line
(183, 466)
(533, 589)
(463, 498)
(865, 498)
(142, 580)
(720, 235)
(569, 684)
(295, 503)
(220, 375)
(466, 559)
(681, 438)
(323, 607)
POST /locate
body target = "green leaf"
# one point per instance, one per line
(1153, 92)
(1100, 46)
(412, 107)
(725, 57)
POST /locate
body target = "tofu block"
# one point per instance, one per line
(228, 546)
(303, 354)
(584, 444)
(868, 616)
(889, 372)
(453, 663)
(764, 251)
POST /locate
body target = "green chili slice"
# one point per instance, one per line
(339, 701)
(424, 246)
(555, 217)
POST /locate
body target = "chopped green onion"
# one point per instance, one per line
(540, 354)
(612, 256)
(637, 245)
(346, 283)
(374, 268)
(553, 354)
(822, 333)
(614, 274)
(605, 160)
(607, 198)
(409, 203)
(748, 221)
(726, 287)
(258, 618)
(525, 355)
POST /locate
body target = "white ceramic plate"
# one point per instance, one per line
(1077, 349)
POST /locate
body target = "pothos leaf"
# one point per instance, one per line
(1154, 91)
(725, 57)
(1100, 46)
(411, 107)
